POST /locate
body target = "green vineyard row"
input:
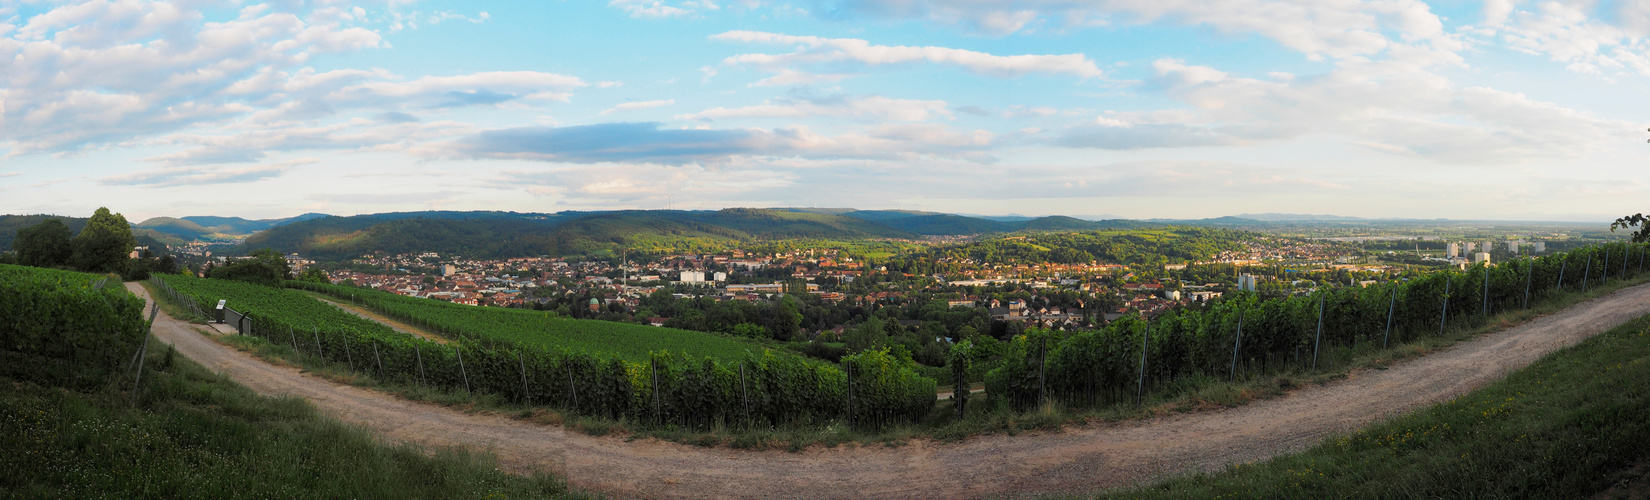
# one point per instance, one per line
(666, 388)
(627, 341)
(66, 328)
(1245, 334)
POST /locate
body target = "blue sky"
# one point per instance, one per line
(1118, 108)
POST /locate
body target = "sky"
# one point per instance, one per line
(1504, 109)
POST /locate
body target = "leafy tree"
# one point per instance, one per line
(868, 335)
(104, 244)
(316, 275)
(265, 266)
(749, 330)
(1628, 222)
(46, 244)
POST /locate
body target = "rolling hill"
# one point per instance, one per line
(215, 228)
(508, 234)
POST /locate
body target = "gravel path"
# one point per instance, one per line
(1079, 459)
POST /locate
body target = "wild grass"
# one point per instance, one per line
(191, 433)
(1571, 425)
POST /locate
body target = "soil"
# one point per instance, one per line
(1074, 460)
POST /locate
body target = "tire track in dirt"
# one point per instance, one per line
(1076, 460)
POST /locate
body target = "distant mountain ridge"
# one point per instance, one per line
(209, 227)
(486, 234)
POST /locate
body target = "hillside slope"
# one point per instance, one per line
(508, 234)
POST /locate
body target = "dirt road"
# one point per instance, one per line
(1081, 459)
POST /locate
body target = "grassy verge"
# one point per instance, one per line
(983, 417)
(171, 307)
(1571, 425)
(196, 434)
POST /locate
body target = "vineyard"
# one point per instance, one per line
(1245, 336)
(66, 328)
(871, 388)
(630, 342)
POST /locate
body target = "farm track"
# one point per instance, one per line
(1078, 459)
(370, 315)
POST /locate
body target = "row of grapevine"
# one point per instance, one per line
(1104, 366)
(665, 389)
(66, 328)
(629, 341)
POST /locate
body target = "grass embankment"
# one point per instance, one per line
(1192, 394)
(195, 434)
(1569, 426)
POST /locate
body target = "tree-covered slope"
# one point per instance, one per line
(507, 234)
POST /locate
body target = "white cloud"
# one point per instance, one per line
(196, 176)
(97, 75)
(1318, 28)
(652, 9)
(1390, 107)
(864, 107)
(631, 106)
(817, 50)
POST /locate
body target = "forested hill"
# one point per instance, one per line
(9, 224)
(1165, 245)
(509, 234)
(215, 228)
(938, 224)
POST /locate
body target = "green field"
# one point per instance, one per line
(627, 341)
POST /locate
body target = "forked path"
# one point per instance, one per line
(1079, 459)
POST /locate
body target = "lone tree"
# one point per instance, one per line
(1628, 222)
(104, 245)
(46, 244)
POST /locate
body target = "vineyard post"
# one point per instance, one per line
(1604, 269)
(1486, 308)
(1145, 345)
(658, 416)
(571, 394)
(1444, 317)
(1042, 370)
(848, 367)
(1529, 277)
(745, 393)
(1237, 345)
(1318, 340)
(1562, 265)
(1391, 306)
(526, 390)
(1623, 274)
(1587, 274)
(142, 355)
(318, 350)
(422, 380)
(461, 368)
(377, 358)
